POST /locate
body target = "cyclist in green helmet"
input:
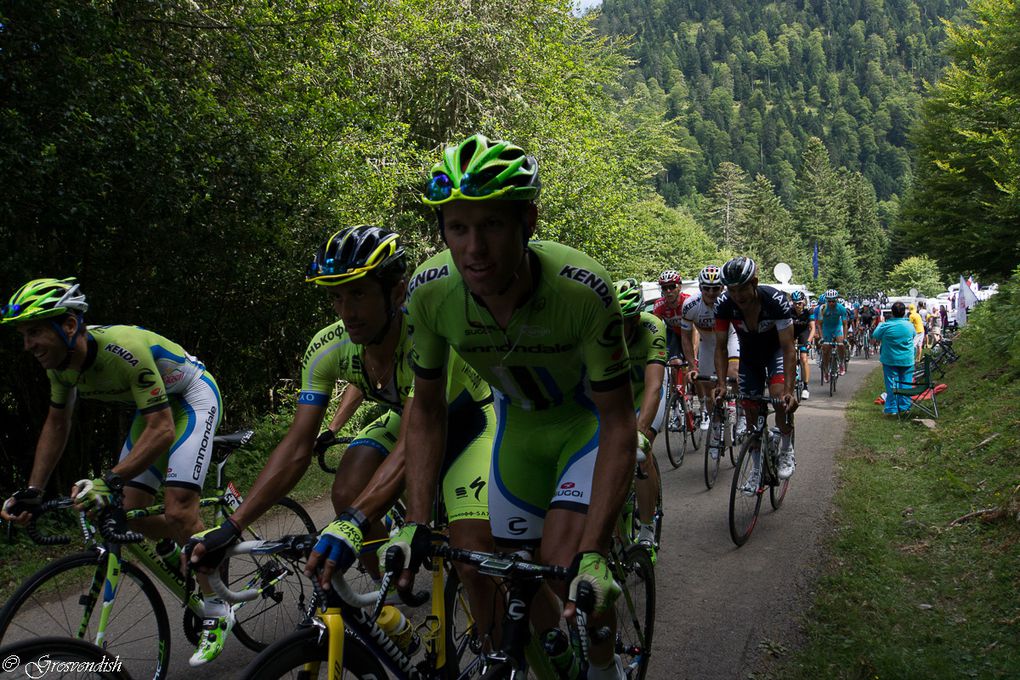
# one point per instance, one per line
(645, 334)
(541, 324)
(177, 410)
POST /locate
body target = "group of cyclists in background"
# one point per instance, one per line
(521, 386)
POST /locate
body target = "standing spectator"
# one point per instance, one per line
(915, 319)
(944, 318)
(896, 335)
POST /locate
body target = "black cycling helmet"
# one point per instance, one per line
(797, 296)
(356, 252)
(739, 271)
(361, 252)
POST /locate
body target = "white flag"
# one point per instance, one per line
(965, 297)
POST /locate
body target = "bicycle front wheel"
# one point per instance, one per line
(63, 598)
(303, 654)
(693, 422)
(745, 499)
(676, 430)
(635, 610)
(715, 442)
(282, 605)
(73, 650)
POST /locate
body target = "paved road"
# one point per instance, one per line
(720, 608)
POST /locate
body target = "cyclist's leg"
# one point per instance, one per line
(647, 489)
(465, 478)
(361, 459)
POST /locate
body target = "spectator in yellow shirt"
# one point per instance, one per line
(915, 319)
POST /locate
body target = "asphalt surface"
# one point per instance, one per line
(722, 612)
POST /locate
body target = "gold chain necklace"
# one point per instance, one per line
(382, 374)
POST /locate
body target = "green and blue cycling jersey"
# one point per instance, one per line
(331, 356)
(135, 367)
(647, 345)
(564, 341)
(832, 321)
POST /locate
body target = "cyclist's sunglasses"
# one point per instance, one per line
(441, 187)
(711, 289)
(667, 286)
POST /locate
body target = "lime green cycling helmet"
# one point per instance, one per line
(44, 299)
(480, 169)
(628, 292)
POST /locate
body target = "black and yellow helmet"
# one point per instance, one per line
(628, 292)
(356, 252)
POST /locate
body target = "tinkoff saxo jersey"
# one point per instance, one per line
(127, 365)
(565, 338)
(332, 356)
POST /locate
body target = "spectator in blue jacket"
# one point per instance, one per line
(897, 356)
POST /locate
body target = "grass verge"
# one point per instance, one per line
(923, 563)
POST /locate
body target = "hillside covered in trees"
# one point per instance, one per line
(794, 119)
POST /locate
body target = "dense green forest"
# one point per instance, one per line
(184, 159)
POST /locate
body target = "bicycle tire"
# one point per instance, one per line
(712, 464)
(659, 508)
(777, 492)
(281, 608)
(693, 423)
(734, 428)
(462, 651)
(62, 649)
(288, 658)
(743, 514)
(676, 439)
(635, 610)
(143, 642)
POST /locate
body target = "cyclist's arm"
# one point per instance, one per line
(155, 440)
(286, 465)
(721, 355)
(426, 428)
(52, 441)
(687, 341)
(614, 465)
(650, 402)
(350, 400)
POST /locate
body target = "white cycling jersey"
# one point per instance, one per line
(697, 314)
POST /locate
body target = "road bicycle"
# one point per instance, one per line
(629, 524)
(722, 432)
(835, 364)
(682, 421)
(758, 460)
(341, 638)
(107, 594)
(60, 657)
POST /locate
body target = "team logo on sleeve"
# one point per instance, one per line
(612, 335)
(590, 279)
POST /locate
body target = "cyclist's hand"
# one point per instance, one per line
(20, 507)
(719, 392)
(96, 494)
(206, 549)
(324, 441)
(338, 546)
(414, 540)
(593, 568)
(644, 445)
(790, 402)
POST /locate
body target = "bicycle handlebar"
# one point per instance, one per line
(33, 531)
(323, 444)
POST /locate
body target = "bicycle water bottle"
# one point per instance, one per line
(170, 554)
(399, 629)
(561, 654)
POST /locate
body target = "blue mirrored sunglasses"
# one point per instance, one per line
(441, 186)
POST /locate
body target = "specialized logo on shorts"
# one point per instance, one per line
(122, 353)
(590, 279)
(428, 276)
(478, 485)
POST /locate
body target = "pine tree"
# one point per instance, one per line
(727, 197)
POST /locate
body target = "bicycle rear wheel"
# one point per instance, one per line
(303, 654)
(63, 598)
(744, 505)
(635, 609)
(61, 649)
(282, 605)
(676, 429)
